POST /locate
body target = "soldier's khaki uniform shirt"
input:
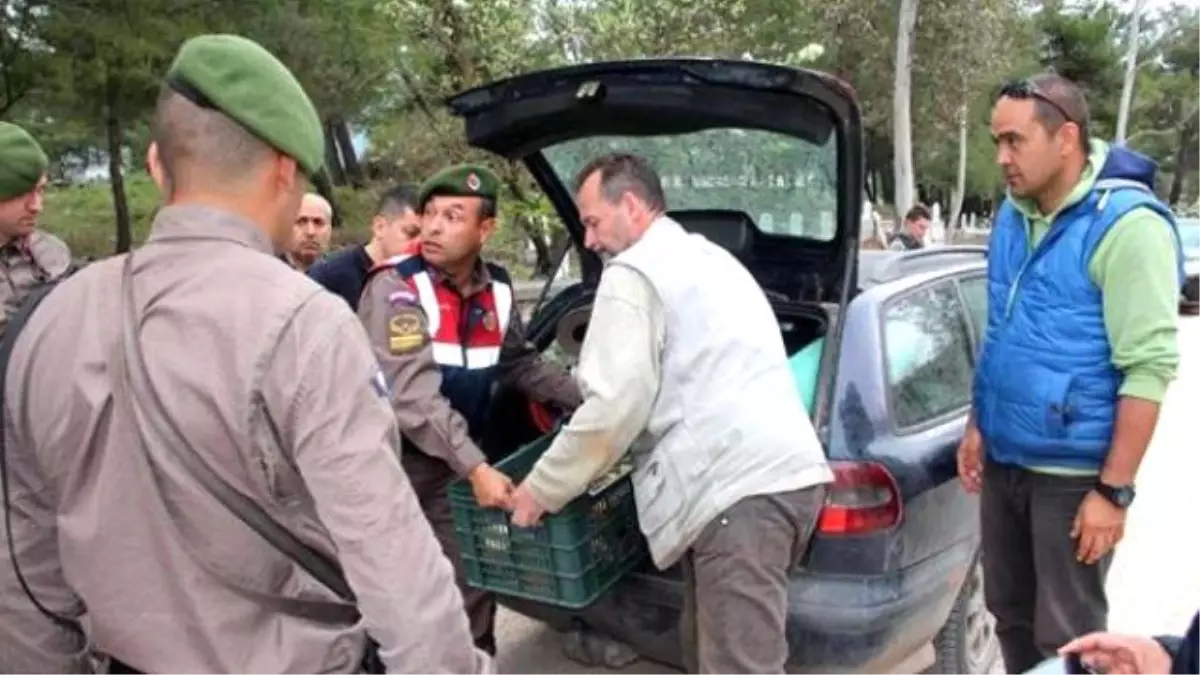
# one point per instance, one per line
(273, 381)
(425, 417)
(26, 263)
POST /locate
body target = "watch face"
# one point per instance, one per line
(1120, 496)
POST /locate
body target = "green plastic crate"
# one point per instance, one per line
(569, 560)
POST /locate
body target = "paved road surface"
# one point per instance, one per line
(1154, 586)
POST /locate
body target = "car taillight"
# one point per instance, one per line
(863, 498)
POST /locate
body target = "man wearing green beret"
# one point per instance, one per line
(29, 257)
(446, 328)
(200, 350)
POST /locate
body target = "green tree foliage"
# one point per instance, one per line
(83, 74)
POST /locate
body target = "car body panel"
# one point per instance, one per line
(856, 603)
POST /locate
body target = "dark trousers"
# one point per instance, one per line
(736, 583)
(1041, 596)
(431, 479)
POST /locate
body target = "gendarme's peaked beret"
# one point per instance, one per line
(22, 161)
(462, 180)
(249, 85)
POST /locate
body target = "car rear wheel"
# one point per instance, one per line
(967, 643)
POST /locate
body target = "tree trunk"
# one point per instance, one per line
(1177, 175)
(902, 160)
(1135, 29)
(543, 262)
(353, 170)
(116, 177)
(333, 158)
(960, 181)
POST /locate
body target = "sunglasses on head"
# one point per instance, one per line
(1025, 89)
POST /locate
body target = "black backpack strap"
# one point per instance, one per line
(15, 325)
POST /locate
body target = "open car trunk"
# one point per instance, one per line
(764, 159)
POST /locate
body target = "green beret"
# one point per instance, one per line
(22, 161)
(249, 85)
(463, 180)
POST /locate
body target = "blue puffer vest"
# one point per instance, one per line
(1045, 387)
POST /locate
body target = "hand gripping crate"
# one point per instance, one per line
(571, 558)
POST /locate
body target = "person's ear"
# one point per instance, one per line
(157, 173)
(287, 174)
(487, 227)
(377, 225)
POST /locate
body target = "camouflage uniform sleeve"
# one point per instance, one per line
(50, 252)
(521, 366)
(324, 384)
(399, 334)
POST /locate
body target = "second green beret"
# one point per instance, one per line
(22, 161)
(462, 180)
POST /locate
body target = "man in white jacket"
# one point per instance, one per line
(684, 366)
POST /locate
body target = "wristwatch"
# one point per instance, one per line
(1121, 496)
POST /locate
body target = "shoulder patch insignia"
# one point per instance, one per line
(402, 298)
(406, 331)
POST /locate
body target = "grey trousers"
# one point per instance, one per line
(1041, 596)
(736, 583)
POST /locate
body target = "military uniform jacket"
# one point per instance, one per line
(272, 380)
(28, 262)
(441, 349)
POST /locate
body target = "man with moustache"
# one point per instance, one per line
(446, 329)
(1084, 272)
(312, 232)
(29, 257)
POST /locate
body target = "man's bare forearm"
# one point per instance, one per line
(1136, 419)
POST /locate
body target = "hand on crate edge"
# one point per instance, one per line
(492, 488)
(527, 511)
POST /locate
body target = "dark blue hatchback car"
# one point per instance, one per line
(767, 161)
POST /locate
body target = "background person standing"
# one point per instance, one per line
(29, 257)
(912, 233)
(1084, 272)
(312, 233)
(395, 230)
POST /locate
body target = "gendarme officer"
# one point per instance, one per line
(446, 328)
(29, 257)
(271, 381)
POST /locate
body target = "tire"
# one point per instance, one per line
(967, 643)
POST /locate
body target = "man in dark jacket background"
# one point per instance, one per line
(395, 230)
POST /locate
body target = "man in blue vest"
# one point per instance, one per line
(1084, 271)
(446, 329)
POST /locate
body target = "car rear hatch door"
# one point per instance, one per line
(768, 160)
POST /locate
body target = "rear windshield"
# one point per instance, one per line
(788, 186)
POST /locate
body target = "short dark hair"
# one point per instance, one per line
(199, 145)
(396, 201)
(1056, 99)
(487, 208)
(621, 173)
(917, 212)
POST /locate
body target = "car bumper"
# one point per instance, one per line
(835, 624)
